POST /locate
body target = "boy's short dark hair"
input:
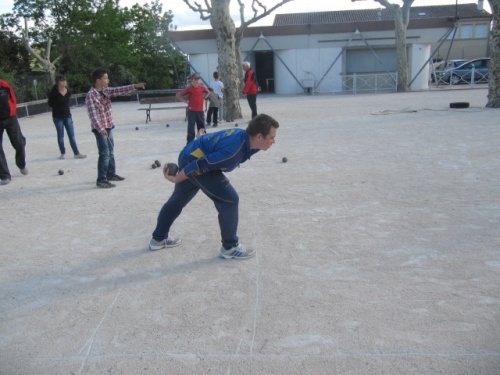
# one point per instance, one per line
(216, 75)
(261, 124)
(60, 78)
(97, 74)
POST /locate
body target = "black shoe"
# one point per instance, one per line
(116, 178)
(214, 126)
(105, 184)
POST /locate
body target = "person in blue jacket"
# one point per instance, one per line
(202, 164)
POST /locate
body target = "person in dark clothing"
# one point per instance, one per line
(194, 96)
(213, 107)
(202, 166)
(59, 98)
(9, 123)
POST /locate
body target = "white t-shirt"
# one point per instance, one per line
(218, 86)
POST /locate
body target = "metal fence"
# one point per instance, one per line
(369, 83)
(470, 77)
(37, 107)
(41, 106)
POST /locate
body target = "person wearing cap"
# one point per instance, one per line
(194, 96)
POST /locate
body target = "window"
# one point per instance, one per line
(466, 31)
(481, 31)
(453, 34)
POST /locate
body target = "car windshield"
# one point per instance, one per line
(454, 63)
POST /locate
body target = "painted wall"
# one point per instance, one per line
(307, 67)
(419, 54)
(205, 64)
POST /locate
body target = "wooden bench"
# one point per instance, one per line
(158, 100)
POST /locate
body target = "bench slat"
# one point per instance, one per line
(155, 108)
(158, 100)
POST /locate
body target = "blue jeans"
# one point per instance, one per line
(218, 188)
(106, 162)
(68, 124)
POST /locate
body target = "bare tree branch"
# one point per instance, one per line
(255, 9)
(205, 13)
(264, 13)
(387, 4)
(242, 11)
(48, 66)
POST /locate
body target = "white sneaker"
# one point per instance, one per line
(168, 242)
(237, 252)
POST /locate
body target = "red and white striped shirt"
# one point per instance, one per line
(99, 106)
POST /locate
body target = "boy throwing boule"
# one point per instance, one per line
(202, 164)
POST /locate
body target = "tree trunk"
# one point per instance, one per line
(494, 66)
(48, 66)
(401, 20)
(228, 49)
(400, 30)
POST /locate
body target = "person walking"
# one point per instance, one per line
(98, 102)
(213, 107)
(194, 96)
(9, 123)
(59, 97)
(251, 87)
(202, 165)
(218, 87)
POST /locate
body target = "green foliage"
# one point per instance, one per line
(131, 43)
(5, 76)
(15, 59)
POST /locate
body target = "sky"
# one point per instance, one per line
(185, 18)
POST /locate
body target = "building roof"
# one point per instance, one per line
(348, 21)
(380, 14)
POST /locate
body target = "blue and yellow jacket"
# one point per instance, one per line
(223, 150)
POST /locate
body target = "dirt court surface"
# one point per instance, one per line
(377, 247)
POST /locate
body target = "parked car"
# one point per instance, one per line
(450, 64)
(439, 67)
(463, 73)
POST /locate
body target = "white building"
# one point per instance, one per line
(347, 51)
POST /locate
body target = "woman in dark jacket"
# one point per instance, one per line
(59, 98)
